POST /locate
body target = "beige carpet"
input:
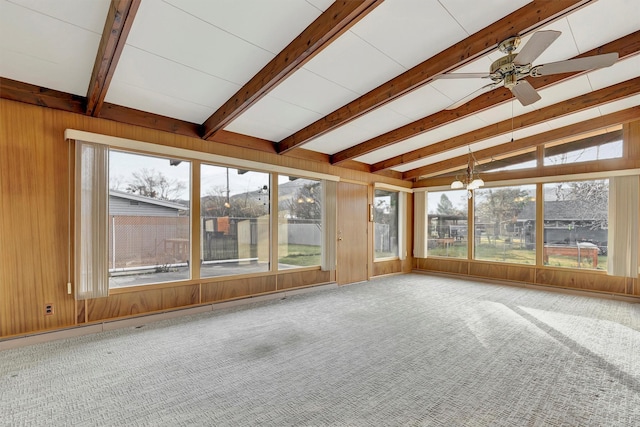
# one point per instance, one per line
(408, 350)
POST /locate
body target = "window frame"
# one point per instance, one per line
(538, 181)
(397, 228)
(197, 158)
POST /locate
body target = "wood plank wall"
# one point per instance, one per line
(34, 229)
(34, 224)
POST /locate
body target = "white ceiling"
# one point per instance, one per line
(185, 58)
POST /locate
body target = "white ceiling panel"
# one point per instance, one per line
(173, 34)
(59, 55)
(604, 21)
(313, 92)
(563, 91)
(148, 100)
(432, 159)
(379, 121)
(353, 63)
(273, 119)
(420, 103)
(335, 141)
(254, 20)
(409, 31)
(492, 10)
(622, 104)
(370, 125)
(456, 89)
(620, 71)
(504, 112)
(89, 15)
(528, 131)
(439, 134)
(570, 119)
(564, 47)
(150, 72)
(492, 142)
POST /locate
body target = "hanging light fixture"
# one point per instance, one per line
(471, 181)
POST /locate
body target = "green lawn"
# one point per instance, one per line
(300, 255)
(512, 253)
(505, 253)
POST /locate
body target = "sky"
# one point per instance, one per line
(213, 178)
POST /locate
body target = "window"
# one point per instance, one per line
(575, 224)
(599, 147)
(505, 224)
(299, 222)
(385, 227)
(447, 223)
(149, 219)
(235, 221)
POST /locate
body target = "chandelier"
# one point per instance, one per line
(471, 181)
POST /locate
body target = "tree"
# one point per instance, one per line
(306, 204)
(149, 183)
(246, 205)
(587, 200)
(445, 207)
(501, 206)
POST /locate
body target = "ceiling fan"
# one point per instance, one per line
(510, 70)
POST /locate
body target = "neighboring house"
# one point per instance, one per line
(128, 204)
(146, 232)
(570, 221)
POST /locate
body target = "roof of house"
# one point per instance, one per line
(148, 200)
(566, 210)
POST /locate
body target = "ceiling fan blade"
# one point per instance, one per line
(525, 93)
(463, 76)
(579, 64)
(538, 43)
(473, 95)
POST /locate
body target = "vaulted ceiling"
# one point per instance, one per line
(354, 83)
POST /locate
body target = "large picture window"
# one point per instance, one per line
(576, 224)
(385, 227)
(299, 222)
(149, 219)
(505, 224)
(235, 221)
(447, 223)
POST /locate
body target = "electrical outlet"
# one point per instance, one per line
(48, 309)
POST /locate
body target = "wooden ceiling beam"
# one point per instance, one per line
(36, 95)
(626, 46)
(619, 117)
(114, 36)
(570, 106)
(145, 119)
(524, 20)
(337, 19)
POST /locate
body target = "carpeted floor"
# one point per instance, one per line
(406, 350)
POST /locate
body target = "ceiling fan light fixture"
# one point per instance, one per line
(475, 184)
(457, 185)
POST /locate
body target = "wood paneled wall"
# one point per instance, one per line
(557, 277)
(35, 219)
